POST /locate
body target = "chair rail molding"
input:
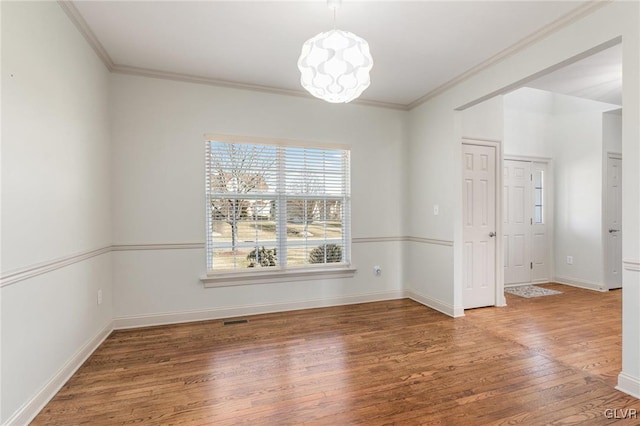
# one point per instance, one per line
(631, 264)
(30, 271)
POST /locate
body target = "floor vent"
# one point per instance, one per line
(233, 322)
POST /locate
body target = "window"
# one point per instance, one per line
(273, 206)
(538, 192)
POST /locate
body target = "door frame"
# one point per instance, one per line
(549, 209)
(605, 218)
(499, 299)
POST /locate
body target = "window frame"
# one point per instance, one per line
(282, 272)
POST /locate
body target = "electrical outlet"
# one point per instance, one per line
(436, 210)
(377, 271)
(569, 260)
(100, 296)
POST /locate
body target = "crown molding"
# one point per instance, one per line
(188, 78)
(565, 20)
(74, 15)
(82, 26)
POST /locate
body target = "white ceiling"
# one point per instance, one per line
(417, 46)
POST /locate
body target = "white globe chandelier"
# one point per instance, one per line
(335, 65)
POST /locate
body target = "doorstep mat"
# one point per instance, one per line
(530, 291)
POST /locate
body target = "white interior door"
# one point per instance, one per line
(614, 223)
(517, 221)
(479, 227)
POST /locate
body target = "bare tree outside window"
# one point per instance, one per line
(238, 170)
(269, 206)
(305, 210)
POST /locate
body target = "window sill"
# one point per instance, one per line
(277, 276)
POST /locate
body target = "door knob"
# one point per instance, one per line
(492, 234)
(611, 231)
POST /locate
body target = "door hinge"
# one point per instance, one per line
(531, 176)
(531, 265)
(531, 219)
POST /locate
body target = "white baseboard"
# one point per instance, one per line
(211, 314)
(534, 282)
(544, 281)
(30, 409)
(438, 305)
(517, 285)
(589, 285)
(501, 301)
(629, 385)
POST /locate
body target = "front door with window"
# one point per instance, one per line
(525, 242)
(517, 217)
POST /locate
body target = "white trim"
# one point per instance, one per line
(377, 240)
(523, 82)
(201, 245)
(266, 276)
(76, 18)
(574, 282)
(197, 79)
(512, 285)
(82, 26)
(629, 385)
(614, 154)
(631, 264)
(471, 140)
(401, 239)
(157, 246)
(30, 409)
(17, 275)
(558, 24)
(438, 305)
(540, 281)
(212, 314)
(528, 158)
(256, 140)
(536, 282)
(430, 241)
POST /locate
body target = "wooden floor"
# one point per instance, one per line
(548, 360)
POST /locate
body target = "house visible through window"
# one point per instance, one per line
(276, 206)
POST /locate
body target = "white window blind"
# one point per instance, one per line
(275, 206)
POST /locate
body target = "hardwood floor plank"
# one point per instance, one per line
(536, 361)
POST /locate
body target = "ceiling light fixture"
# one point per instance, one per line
(335, 65)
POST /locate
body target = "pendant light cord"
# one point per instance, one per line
(334, 5)
(334, 18)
